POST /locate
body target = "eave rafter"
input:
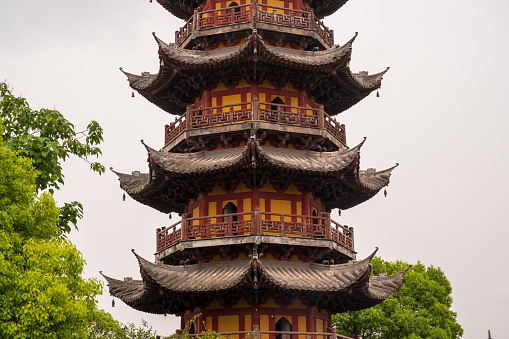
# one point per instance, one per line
(174, 178)
(174, 289)
(183, 73)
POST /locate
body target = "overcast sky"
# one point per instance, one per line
(442, 114)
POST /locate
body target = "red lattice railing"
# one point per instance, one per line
(254, 110)
(254, 12)
(257, 334)
(255, 222)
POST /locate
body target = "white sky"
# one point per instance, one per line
(442, 115)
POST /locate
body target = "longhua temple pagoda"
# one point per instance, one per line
(254, 163)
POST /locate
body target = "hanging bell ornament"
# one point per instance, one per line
(385, 193)
(112, 302)
(169, 215)
(123, 197)
(150, 1)
(132, 94)
(377, 94)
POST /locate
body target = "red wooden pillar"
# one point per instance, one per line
(255, 108)
(328, 233)
(272, 326)
(256, 220)
(310, 320)
(321, 117)
(305, 213)
(255, 317)
(183, 227)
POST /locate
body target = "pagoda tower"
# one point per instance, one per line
(254, 164)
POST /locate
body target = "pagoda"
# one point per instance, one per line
(254, 163)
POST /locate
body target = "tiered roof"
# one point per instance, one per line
(184, 73)
(174, 178)
(173, 289)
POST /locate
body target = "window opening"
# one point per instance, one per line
(283, 325)
(234, 10)
(278, 101)
(230, 208)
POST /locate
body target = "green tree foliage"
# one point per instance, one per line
(42, 292)
(421, 309)
(47, 138)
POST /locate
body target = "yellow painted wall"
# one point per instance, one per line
(242, 303)
(241, 187)
(196, 214)
(302, 326)
(216, 258)
(243, 83)
(264, 325)
(295, 102)
(299, 207)
(228, 323)
(216, 190)
(215, 305)
(289, 87)
(247, 208)
(212, 210)
(208, 323)
(262, 204)
(292, 189)
(297, 303)
(232, 99)
(280, 206)
(319, 325)
(220, 87)
(266, 84)
(278, 3)
(247, 322)
(267, 188)
(271, 303)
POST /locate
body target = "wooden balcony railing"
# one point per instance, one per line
(254, 12)
(255, 222)
(257, 334)
(255, 110)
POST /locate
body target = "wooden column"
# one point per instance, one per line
(183, 226)
(328, 233)
(255, 108)
(321, 117)
(310, 320)
(257, 220)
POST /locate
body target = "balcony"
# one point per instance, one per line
(255, 111)
(255, 222)
(257, 334)
(254, 12)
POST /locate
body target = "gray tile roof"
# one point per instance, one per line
(171, 88)
(173, 175)
(329, 285)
